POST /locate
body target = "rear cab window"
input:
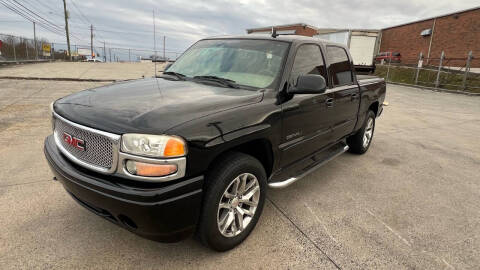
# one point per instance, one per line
(340, 68)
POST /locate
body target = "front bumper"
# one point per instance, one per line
(168, 213)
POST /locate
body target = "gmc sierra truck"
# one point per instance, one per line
(195, 149)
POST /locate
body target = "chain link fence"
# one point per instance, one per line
(14, 49)
(441, 72)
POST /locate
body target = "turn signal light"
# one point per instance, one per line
(149, 169)
(175, 147)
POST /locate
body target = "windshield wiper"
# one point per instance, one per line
(224, 81)
(179, 76)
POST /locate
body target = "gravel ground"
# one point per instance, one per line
(411, 202)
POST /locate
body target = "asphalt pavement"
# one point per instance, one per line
(412, 201)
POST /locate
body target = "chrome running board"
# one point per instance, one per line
(292, 180)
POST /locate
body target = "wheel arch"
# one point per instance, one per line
(260, 148)
(374, 107)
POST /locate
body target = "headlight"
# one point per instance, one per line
(153, 145)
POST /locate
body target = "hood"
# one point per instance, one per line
(150, 106)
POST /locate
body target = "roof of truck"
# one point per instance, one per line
(288, 38)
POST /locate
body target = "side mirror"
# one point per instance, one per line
(309, 84)
(167, 66)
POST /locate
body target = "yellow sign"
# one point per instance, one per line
(46, 47)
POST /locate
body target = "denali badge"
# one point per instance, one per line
(75, 142)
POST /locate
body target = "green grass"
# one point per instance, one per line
(448, 80)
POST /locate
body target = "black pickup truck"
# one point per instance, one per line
(195, 149)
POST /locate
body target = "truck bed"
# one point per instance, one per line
(366, 77)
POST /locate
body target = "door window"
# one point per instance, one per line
(340, 67)
(308, 60)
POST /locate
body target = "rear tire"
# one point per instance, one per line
(360, 141)
(233, 201)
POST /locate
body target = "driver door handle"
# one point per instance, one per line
(329, 102)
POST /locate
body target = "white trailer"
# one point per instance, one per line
(363, 45)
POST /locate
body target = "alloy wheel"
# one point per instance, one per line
(367, 135)
(238, 204)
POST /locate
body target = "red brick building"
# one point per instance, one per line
(456, 34)
(293, 29)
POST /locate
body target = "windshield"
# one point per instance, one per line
(255, 63)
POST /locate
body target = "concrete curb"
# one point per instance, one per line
(436, 89)
(21, 62)
(58, 79)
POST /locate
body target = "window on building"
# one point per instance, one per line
(308, 60)
(340, 67)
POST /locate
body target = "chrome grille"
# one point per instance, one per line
(99, 149)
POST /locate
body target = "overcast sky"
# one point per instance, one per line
(128, 23)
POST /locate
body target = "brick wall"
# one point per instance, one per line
(455, 34)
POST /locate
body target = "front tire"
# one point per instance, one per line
(233, 201)
(360, 141)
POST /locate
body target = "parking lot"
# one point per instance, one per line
(412, 201)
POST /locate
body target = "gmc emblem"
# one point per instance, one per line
(75, 142)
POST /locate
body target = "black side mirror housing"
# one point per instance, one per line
(309, 84)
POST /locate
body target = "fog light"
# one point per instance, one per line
(149, 169)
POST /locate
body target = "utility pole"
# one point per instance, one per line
(35, 41)
(154, 44)
(66, 29)
(14, 53)
(164, 59)
(104, 53)
(91, 41)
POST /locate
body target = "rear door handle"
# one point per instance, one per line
(329, 102)
(354, 96)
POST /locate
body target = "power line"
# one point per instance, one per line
(83, 17)
(32, 18)
(86, 19)
(35, 14)
(52, 11)
(42, 6)
(29, 18)
(81, 13)
(47, 6)
(59, 28)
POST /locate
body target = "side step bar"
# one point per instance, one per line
(292, 180)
